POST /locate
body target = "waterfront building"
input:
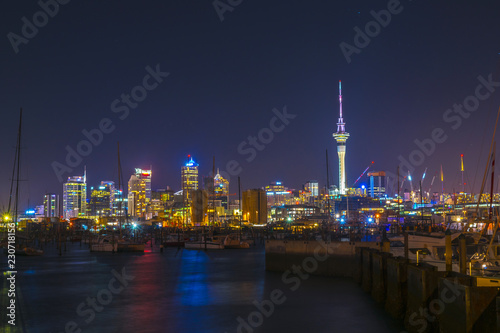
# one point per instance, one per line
(199, 207)
(255, 206)
(291, 213)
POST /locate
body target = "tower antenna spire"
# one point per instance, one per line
(340, 97)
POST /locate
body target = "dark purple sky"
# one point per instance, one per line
(226, 78)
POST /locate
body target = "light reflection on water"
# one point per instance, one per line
(184, 291)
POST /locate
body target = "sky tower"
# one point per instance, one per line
(341, 137)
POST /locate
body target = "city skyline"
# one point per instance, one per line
(250, 166)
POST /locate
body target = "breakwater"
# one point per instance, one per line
(427, 300)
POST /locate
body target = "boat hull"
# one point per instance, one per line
(131, 247)
(106, 247)
(203, 246)
(174, 244)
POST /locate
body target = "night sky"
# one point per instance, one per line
(226, 77)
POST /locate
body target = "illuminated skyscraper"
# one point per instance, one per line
(341, 137)
(120, 203)
(101, 199)
(136, 196)
(51, 205)
(145, 175)
(139, 192)
(189, 178)
(221, 189)
(75, 197)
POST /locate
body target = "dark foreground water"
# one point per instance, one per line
(181, 291)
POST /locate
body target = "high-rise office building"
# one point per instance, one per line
(189, 178)
(51, 205)
(75, 197)
(137, 196)
(255, 206)
(120, 203)
(221, 189)
(145, 175)
(377, 184)
(221, 185)
(101, 199)
(112, 191)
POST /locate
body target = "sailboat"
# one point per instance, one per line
(20, 250)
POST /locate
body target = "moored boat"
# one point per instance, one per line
(131, 247)
(174, 240)
(208, 244)
(104, 244)
(232, 241)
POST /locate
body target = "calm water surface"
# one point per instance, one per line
(181, 291)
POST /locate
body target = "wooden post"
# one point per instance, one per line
(448, 253)
(463, 254)
(406, 245)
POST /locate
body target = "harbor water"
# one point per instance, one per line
(182, 290)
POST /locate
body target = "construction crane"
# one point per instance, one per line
(402, 183)
(411, 185)
(432, 182)
(368, 167)
(423, 175)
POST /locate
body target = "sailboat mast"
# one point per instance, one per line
(120, 190)
(239, 202)
(18, 162)
(213, 192)
(328, 186)
(487, 165)
(492, 182)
